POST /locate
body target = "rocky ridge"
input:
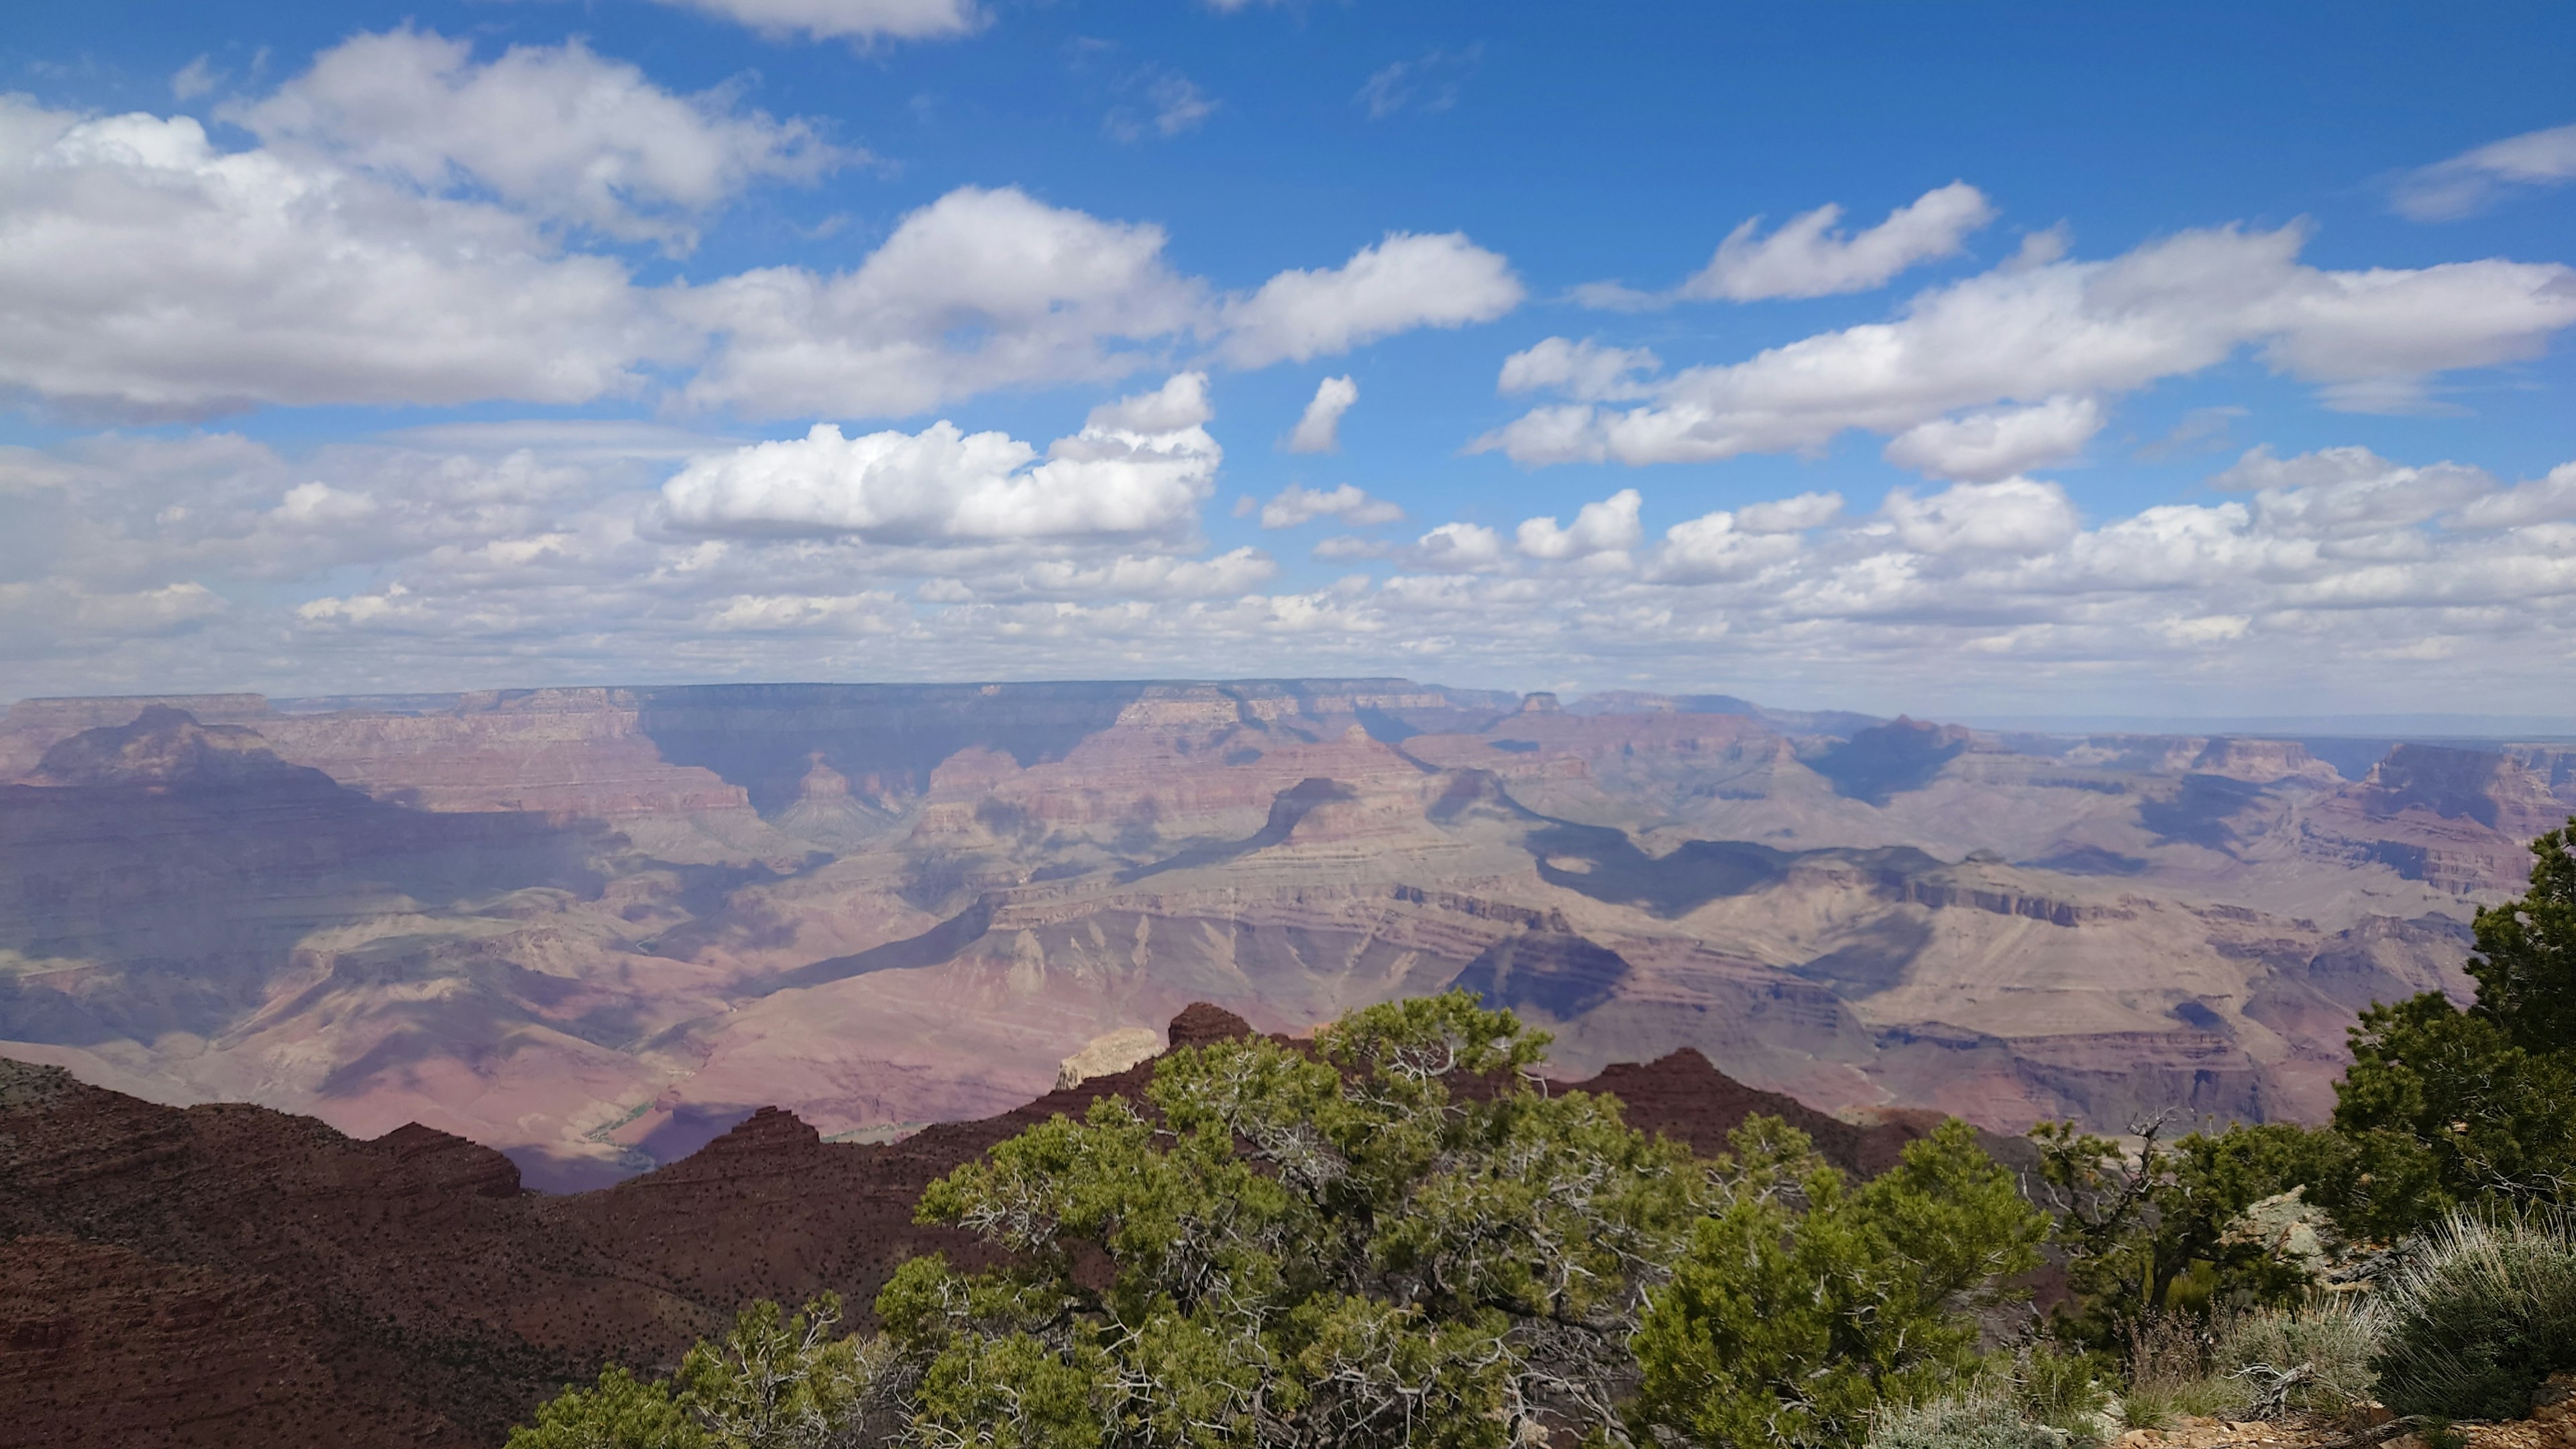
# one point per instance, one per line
(225, 1275)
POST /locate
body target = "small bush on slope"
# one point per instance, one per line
(2484, 1312)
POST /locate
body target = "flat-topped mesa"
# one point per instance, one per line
(2487, 786)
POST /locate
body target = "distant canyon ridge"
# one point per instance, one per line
(596, 928)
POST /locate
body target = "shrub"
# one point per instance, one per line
(1984, 1417)
(2169, 1377)
(2060, 1388)
(2484, 1311)
(2309, 1360)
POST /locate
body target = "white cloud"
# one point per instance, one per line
(1294, 505)
(2349, 490)
(2071, 329)
(1177, 106)
(978, 290)
(1429, 83)
(2017, 515)
(940, 483)
(846, 19)
(1319, 429)
(195, 79)
(1586, 370)
(2470, 181)
(2546, 500)
(1403, 282)
(144, 272)
(1132, 576)
(61, 617)
(1459, 547)
(1608, 526)
(1344, 546)
(1721, 546)
(556, 130)
(203, 561)
(1808, 257)
(1790, 515)
(1985, 446)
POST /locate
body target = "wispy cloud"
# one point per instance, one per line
(1429, 83)
(2473, 180)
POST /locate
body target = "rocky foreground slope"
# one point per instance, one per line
(226, 1275)
(596, 928)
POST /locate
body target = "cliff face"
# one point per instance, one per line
(596, 928)
(226, 1276)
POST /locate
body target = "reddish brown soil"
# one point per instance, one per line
(225, 1276)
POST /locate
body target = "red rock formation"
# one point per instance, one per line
(230, 1276)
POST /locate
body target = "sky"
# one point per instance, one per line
(1979, 359)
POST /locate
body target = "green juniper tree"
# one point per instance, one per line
(1399, 1238)
(1803, 1304)
(2445, 1108)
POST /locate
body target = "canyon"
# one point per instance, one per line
(596, 930)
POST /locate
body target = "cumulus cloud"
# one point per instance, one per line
(1810, 257)
(2546, 500)
(145, 272)
(1460, 547)
(2076, 330)
(1721, 546)
(980, 289)
(2472, 180)
(162, 562)
(1790, 515)
(987, 289)
(860, 20)
(407, 232)
(1115, 477)
(2017, 515)
(1583, 369)
(557, 130)
(2344, 490)
(1319, 429)
(1403, 282)
(1608, 526)
(1294, 505)
(1985, 446)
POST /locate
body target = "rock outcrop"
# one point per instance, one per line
(1107, 1054)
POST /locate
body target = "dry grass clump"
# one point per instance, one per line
(2484, 1311)
(2312, 1360)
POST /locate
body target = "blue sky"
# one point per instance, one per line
(2213, 362)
